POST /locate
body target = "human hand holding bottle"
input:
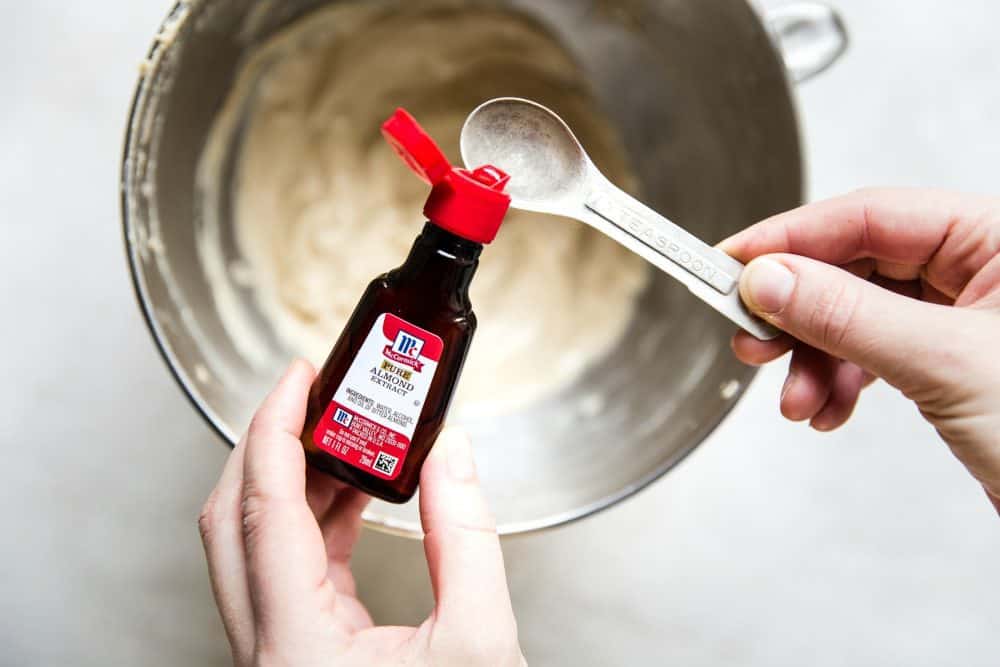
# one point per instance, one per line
(279, 538)
(902, 285)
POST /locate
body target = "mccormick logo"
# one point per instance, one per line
(405, 350)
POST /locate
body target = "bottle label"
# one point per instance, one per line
(371, 419)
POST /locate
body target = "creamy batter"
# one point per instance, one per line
(321, 205)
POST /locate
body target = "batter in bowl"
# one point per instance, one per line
(320, 204)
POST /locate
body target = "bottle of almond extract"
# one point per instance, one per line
(380, 400)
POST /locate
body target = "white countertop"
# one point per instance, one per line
(770, 546)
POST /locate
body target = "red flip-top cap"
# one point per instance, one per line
(471, 204)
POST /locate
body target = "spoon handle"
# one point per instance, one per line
(710, 274)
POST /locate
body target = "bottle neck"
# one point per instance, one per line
(442, 263)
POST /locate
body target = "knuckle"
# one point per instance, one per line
(255, 507)
(258, 427)
(252, 506)
(833, 314)
(208, 518)
(867, 201)
(468, 528)
(482, 522)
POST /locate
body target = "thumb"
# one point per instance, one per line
(462, 546)
(903, 340)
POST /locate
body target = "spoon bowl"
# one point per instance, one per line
(547, 164)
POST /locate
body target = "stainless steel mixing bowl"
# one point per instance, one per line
(701, 94)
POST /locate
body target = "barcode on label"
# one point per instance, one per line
(385, 463)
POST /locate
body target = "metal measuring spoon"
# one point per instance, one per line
(551, 173)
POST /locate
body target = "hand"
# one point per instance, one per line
(912, 296)
(279, 538)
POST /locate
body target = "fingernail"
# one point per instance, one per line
(789, 381)
(767, 286)
(461, 465)
(822, 423)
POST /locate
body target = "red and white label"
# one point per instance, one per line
(371, 419)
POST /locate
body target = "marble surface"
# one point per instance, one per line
(771, 545)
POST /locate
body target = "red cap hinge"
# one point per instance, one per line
(471, 204)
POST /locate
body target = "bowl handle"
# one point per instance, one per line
(810, 35)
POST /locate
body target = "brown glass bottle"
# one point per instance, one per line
(431, 292)
(381, 399)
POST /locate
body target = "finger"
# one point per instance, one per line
(341, 527)
(862, 268)
(810, 379)
(844, 393)
(755, 352)
(910, 288)
(337, 508)
(461, 543)
(940, 230)
(221, 529)
(931, 294)
(286, 559)
(327, 497)
(321, 490)
(983, 291)
(846, 317)
(904, 273)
